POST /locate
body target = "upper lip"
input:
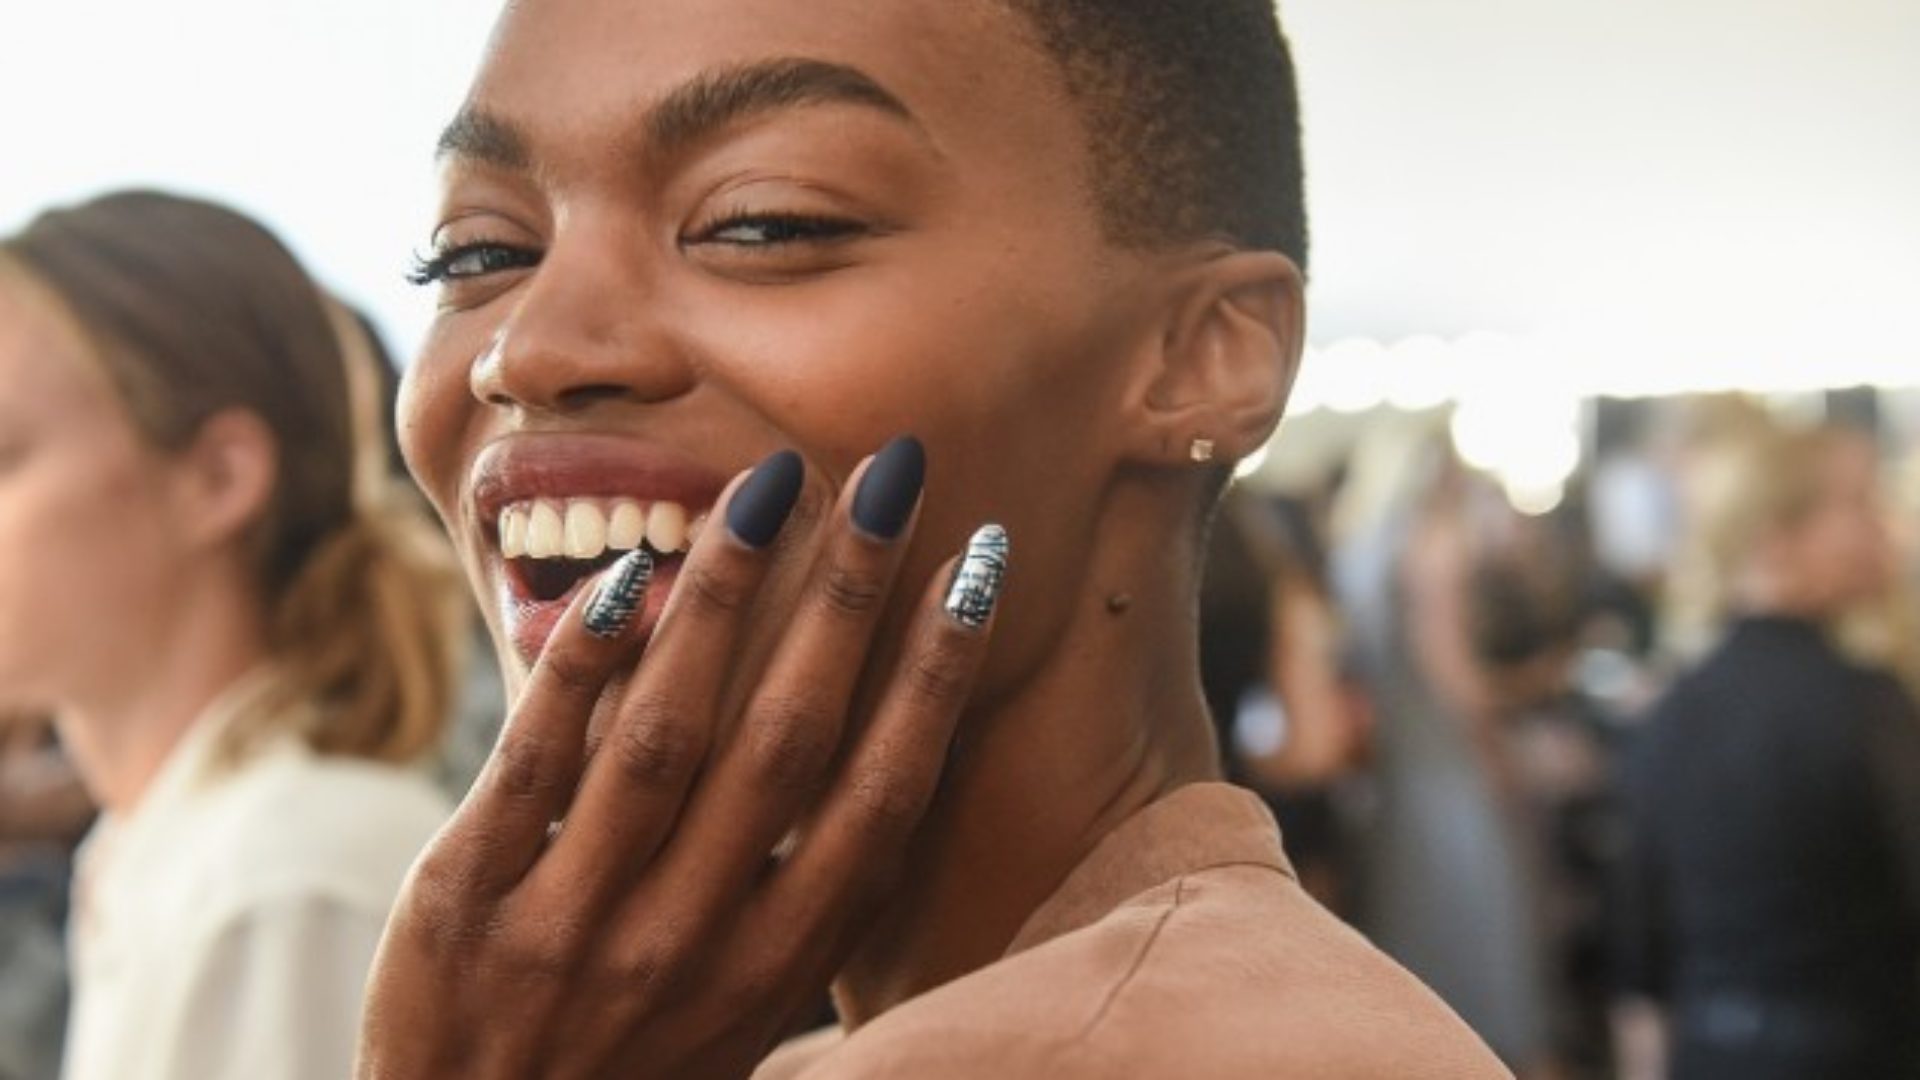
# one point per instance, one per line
(520, 468)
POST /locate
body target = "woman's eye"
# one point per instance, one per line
(772, 230)
(467, 261)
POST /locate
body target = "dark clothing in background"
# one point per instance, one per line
(1772, 892)
(1250, 541)
(1236, 628)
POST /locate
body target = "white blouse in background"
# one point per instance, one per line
(224, 929)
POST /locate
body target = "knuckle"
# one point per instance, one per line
(648, 967)
(940, 676)
(887, 803)
(788, 740)
(652, 750)
(572, 674)
(442, 907)
(714, 588)
(752, 984)
(845, 590)
(540, 949)
(522, 768)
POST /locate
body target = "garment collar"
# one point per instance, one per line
(187, 766)
(1194, 828)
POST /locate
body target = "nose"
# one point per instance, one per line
(583, 331)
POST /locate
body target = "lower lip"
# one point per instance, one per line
(530, 623)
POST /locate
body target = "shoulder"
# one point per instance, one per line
(1230, 972)
(291, 824)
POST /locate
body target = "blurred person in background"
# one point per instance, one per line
(473, 724)
(1292, 725)
(1461, 617)
(1883, 631)
(245, 632)
(44, 810)
(1906, 544)
(1713, 429)
(1770, 901)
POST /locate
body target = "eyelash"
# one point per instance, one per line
(777, 230)
(495, 257)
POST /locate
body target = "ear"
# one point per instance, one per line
(225, 478)
(1224, 362)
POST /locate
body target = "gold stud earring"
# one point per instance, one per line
(1202, 451)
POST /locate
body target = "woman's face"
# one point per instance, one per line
(1844, 549)
(680, 235)
(86, 578)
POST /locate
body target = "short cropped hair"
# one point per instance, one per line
(1192, 116)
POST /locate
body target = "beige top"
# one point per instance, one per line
(1181, 948)
(224, 929)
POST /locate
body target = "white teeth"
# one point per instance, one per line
(586, 531)
(627, 527)
(587, 528)
(546, 535)
(513, 532)
(667, 527)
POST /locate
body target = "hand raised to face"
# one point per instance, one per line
(623, 912)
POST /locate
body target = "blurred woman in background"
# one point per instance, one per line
(44, 811)
(1292, 725)
(244, 631)
(1771, 909)
(1462, 616)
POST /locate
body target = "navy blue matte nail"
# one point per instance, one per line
(765, 499)
(890, 488)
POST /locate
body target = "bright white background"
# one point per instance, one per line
(318, 117)
(1634, 194)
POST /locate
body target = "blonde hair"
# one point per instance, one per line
(194, 310)
(1747, 483)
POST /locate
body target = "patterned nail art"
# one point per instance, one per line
(621, 592)
(976, 584)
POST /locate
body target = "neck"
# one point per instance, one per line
(123, 728)
(1113, 721)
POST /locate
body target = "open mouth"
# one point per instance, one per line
(549, 580)
(552, 547)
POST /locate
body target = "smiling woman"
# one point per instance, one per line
(878, 726)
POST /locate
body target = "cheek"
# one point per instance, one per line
(1007, 391)
(432, 414)
(87, 571)
(1841, 551)
(434, 420)
(989, 366)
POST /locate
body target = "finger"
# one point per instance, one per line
(530, 778)
(660, 731)
(856, 841)
(783, 749)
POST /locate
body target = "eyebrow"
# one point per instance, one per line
(484, 138)
(695, 110)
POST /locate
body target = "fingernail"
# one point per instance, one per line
(977, 580)
(618, 597)
(765, 499)
(890, 488)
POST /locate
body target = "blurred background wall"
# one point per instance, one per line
(1646, 194)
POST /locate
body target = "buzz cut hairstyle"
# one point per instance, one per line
(1192, 116)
